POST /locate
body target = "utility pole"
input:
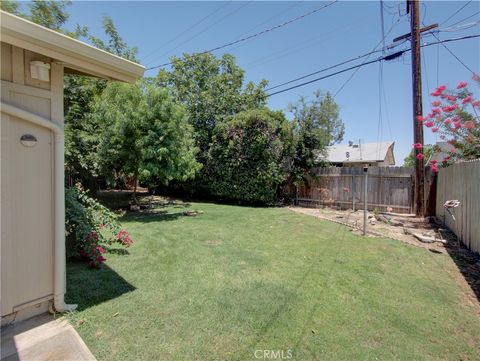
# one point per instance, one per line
(419, 190)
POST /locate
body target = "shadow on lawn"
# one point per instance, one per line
(88, 287)
(147, 217)
(468, 264)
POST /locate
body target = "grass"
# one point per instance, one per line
(234, 280)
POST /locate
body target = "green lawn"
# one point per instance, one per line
(234, 280)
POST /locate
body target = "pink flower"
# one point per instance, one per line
(389, 209)
(436, 103)
(420, 156)
(448, 121)
(100, 249)
(420, 118)
(435, 129)
(345, 189)
(451, 98)
(447, 158)
(467, 99)
(101, 259)
(436, 110)
(469, 124)
(457, 125)
(461, 85)
(429, 124)
(476, 104)
(434, 168)
(450, 108)
(418, 145)
(438, 91)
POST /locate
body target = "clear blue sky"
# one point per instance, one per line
(339, 32)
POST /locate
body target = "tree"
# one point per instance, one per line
(212, 89)
(250, 156)
(317, 125)
(81, 128)
(10, 6)
(453, 117)
(51, 14)
(115, 44)
(148, 137)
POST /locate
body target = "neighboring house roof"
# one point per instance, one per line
(360, 153)
(77, 57)
(440, 151)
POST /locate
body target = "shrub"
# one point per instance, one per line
(90, 228)
(249, 156)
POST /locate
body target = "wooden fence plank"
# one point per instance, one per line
(461, 181)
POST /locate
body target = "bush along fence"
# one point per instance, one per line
(460, 181)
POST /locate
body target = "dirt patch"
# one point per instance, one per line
(213, 242)
(395, 226)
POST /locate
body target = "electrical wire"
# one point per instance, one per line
(280, 54)
(375, 48)
(387, 57)
(204, 30)
(263, 32)
(461, 21)
(186, 30)
(453, 54)
(459, 27)
(456, 12)
(328, 68)
(295, 4)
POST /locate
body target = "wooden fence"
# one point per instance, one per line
(461, 181)
(344, 188)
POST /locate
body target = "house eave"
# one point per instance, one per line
(72, 53)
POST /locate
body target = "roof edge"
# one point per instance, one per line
(71, 52)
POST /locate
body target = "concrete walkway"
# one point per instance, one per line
(43, 338)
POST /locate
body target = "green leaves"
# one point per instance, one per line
(147, 135)
(248, 159)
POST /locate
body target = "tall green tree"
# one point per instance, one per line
(212, 89)
(10, 6)
(81, 128)
(250, 156)
(51, 14)
(148, 137)
(317, 125)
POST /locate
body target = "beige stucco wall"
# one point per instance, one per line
(27, 183)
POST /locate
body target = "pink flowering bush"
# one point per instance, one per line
(91, 228)
(454, 118)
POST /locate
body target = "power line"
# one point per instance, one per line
(295, 4)
(375, 48)
(257, 34)
(204, 30)
(387, 57)
(280, 54)
(453, 54)
(325, 69)
(456, 12)
(186, 30)
(468, 17)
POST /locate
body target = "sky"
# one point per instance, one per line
(375, 104)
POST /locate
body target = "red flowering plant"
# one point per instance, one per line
(91, 228)
(454, 118)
